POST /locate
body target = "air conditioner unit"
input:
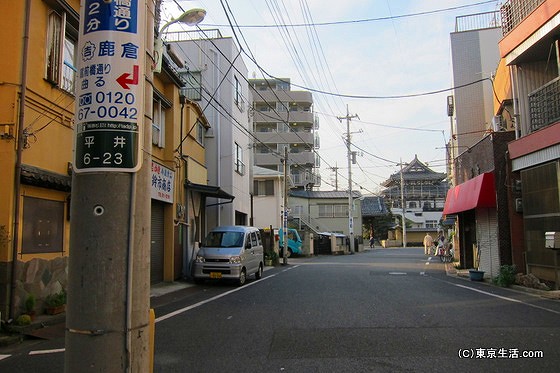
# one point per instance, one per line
(518, 205)
(498, 123)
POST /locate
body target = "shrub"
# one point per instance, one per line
(56, 299)
(23, 320)
(506, 276)
(30, 303)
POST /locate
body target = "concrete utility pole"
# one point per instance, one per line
(403, 203)
(285, 210)
(348, 117)
(108, 313)
(335, 170)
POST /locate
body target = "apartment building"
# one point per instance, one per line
(216, 78)
(283, 117)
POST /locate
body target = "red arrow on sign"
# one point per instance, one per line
(124, 81)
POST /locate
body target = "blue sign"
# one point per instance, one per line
(116, 15)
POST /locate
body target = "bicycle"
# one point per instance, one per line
(445, 254)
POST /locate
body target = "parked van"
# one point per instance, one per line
(230, 252)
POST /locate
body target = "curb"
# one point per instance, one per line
(464, 274)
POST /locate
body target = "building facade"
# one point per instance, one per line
(37, 98)
(530, 49)
(424, 197)
(325, 212)
(283, 117)
(36, 111)
(268, 197)
(474, 58)
(216, 78)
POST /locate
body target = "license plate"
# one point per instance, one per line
(215, 274)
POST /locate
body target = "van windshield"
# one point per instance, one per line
(224, 239)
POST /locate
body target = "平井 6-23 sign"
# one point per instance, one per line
(109, 89)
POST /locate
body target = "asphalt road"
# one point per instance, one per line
(387, 310)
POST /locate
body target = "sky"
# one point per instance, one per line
(358, 57)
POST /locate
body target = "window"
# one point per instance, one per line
(254, 241)
(325, 211)
(282, 86)
(61, 52)
(333, 211)
(158, 124)
(239, 165)
(431, 224)
(264, 187)
(193, 84)
(43, 226)
(200, 130)
(340, 211)
(238, 99)
(161, 104)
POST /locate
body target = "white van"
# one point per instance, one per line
(230, 252)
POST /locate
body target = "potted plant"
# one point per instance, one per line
(270, 258)
(55, 303)
(30, 306)
(475, 274)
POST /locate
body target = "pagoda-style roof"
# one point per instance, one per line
(415, 170)
(373, 206)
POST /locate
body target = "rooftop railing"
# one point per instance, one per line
(478, 21)
(515, 11)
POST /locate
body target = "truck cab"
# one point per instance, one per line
(294, 242)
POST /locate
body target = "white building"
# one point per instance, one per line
(217, 77)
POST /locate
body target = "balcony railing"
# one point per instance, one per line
(544, 105)
(515, 11)
(477, 21)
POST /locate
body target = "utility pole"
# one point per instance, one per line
(335, 170)
(285, 210)
(348, 117)
(403, 203)
(108, 313)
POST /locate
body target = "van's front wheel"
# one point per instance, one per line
(242, 277)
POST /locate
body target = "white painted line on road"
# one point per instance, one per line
(422, 273)
(44, 352)
(2, 357)
(193, 306)
(508, 299)
(397, 273)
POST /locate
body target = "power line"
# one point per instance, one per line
(362, 20)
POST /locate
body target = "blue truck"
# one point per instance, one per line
(294, 242)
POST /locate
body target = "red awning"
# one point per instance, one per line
(473, 193)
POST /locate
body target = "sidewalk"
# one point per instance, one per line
(464, 274)
(16, 334)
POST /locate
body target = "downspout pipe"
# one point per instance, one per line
(19, 155)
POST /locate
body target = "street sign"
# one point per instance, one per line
(109, 87)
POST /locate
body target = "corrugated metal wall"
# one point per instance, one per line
(487, 238)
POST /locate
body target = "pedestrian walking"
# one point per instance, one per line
(428, 243)
(371, 242)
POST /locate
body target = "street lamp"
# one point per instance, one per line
(191, 17)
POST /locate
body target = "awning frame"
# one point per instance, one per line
(210, 191)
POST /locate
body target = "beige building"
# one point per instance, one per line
(282, 117)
